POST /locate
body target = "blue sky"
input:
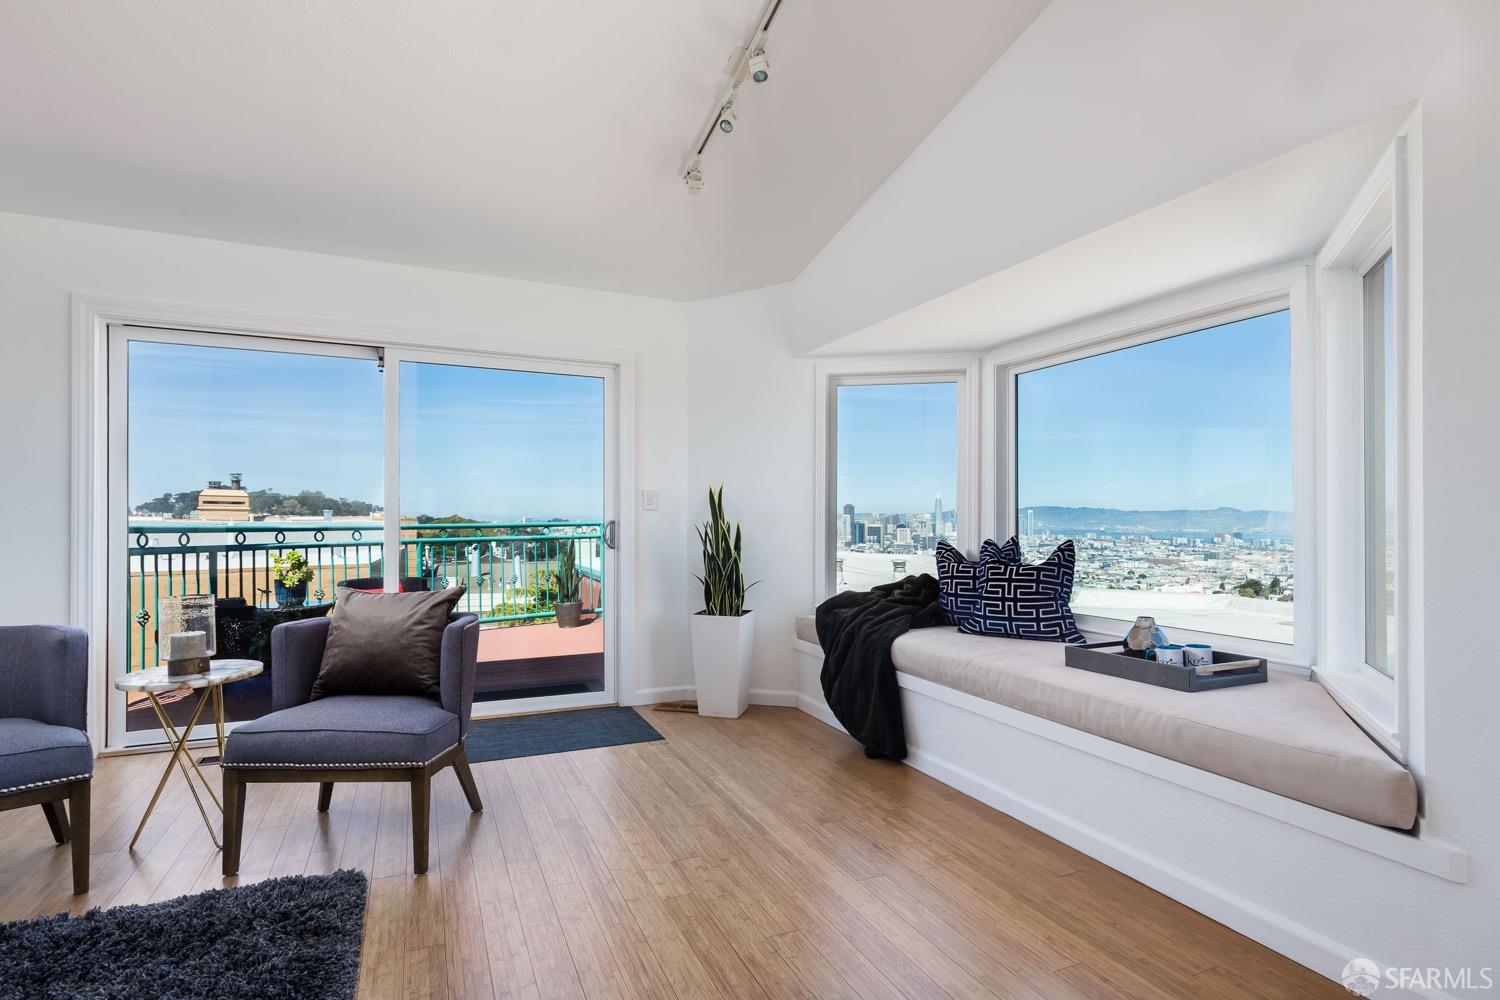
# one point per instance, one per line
(1197, 421)
(897, 447)
(500, 444)
(487, 443)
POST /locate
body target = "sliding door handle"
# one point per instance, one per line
(609, 534)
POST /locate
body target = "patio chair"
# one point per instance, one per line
(406, 586)
(353, 737)
(45, 755)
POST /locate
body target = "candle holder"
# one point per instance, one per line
(187, 637)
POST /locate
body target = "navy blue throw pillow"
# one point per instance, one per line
(1022, 601)
(959, 578)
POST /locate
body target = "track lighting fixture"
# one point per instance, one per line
(760, 66)
(745, 63)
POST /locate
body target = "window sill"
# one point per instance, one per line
(1369, 704)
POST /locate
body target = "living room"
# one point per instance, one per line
(1198, 298)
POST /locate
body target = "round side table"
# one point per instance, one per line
(210, 688)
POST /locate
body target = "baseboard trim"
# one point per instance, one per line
(657, 695)
(773, 696)
(818, 709)
(758, 696)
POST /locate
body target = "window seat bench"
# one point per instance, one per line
(1286, 736)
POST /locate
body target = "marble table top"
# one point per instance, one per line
(156, 680)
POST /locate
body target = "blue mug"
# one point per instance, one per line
(1171, 654)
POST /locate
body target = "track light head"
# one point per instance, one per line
(759, 66)
(694, 179)
(727, 116)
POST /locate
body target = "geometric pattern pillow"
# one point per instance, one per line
(959, 578)
(1022, 601)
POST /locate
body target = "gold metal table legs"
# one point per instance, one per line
(182, 759)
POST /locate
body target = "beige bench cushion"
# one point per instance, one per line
(807, 629)
(1286, 736)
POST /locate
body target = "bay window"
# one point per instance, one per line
(1168, 462)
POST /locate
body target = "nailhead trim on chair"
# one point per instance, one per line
(44, 784)
(379, 763)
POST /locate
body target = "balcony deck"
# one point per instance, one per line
(510, 572)
(514, 662)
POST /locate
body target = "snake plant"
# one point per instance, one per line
(567, 575)
(723, 580)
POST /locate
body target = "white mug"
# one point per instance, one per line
(1199, 656)
(1170, 654)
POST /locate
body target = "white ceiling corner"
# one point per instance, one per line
(541, 141)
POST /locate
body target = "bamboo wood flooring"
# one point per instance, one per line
(758, 858)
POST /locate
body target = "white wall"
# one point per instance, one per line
(751, 406)
(42, 261)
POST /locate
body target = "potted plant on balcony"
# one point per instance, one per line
(291, 572)
(724, 631)
(569, 605)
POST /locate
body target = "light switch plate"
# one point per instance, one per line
(649, 499)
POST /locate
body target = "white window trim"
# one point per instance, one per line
(89, 551)
(890, 370)
(1197, 308)
(1375, 224)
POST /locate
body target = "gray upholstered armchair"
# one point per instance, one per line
(353, 737)
(45, 755)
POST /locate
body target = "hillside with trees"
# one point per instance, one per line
(307, 503)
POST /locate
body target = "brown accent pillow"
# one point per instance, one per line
(385, 643)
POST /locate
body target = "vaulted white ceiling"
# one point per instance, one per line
(536, 140)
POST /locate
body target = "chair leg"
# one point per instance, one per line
(421, 797)
(78, 805)
(466, 779)
(234, 819)
(325, 795)
(57, 820)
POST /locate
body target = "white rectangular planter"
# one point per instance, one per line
(722, 648)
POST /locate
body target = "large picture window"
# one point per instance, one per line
(896, 489)
(1169, 464)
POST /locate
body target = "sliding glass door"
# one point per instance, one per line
(262, 474)
(233, 460)
(503, 484)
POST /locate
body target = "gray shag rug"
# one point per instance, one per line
(297, 936)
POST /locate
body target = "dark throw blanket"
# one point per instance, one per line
(856, 630)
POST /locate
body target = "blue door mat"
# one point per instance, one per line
(556, 732)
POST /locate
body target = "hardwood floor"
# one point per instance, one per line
(761, 858)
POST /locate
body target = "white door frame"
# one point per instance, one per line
(120, 336)
(91, 482)
(610, 374)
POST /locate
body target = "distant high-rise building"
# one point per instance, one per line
(856, 532)
(849, 510)
(937, 517)
(874, 534)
